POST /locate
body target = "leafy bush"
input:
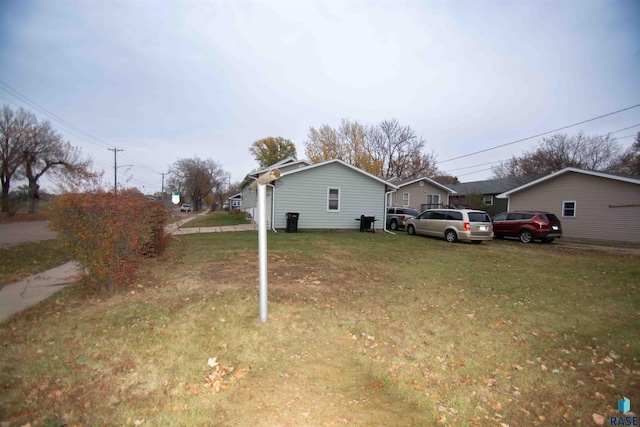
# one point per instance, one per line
(109, 234)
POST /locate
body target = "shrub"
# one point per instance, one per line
(234, 211)
(109, 234)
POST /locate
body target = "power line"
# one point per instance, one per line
(620, 130)
(540, 134)
(51, 115)
(82, 134)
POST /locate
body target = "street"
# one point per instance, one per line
(22, 232)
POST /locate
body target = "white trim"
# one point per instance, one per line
(407, 204)
(566, 170)
(328, 199)
(575, 208)
(432, 182)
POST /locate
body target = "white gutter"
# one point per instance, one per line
(386, 210)
(273, 206)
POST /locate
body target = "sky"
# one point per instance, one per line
(164, 80)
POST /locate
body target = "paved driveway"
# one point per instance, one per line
(16, 233)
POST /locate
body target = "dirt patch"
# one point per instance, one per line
(583, 246)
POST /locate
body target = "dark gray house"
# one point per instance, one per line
(482, 194)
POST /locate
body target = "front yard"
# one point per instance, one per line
(363, 329)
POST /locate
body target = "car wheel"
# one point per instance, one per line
(411, 230)
(451, 236)
(526, 236)
(548, 239)
(393, 225)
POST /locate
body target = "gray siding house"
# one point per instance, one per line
(420, 194)
(482, 194)
(328, 195)
(592, 206)
(250, 196)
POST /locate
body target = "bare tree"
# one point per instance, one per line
(46, 151)
(599, 153)
(30, 150)
(630, 160)
(196, 179)
(14, 134)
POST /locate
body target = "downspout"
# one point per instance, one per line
(273, 206)
(386, 210)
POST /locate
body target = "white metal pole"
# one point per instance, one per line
(261, 184)
(262, 249)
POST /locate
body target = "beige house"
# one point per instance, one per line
(419, 193)
(593, 206)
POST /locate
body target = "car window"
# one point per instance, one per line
(438, 215)
(550, 217)
(479, 217)
(455, 216)
(400, 211)
(425, 215)
(500, 217)
(412, 212)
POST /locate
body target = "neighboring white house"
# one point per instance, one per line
(235, 201)
(328, 195)
(591, 205)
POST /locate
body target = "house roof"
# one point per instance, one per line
(409, 181)
(289, 161)
(493, 186)
(327, 162)
(617, 177)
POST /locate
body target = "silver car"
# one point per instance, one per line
(453, 224)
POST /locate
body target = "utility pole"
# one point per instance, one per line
(115, 169)
(162, 191)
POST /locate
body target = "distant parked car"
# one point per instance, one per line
(453, 224)
(186, 207)
(397, 216)
(527, 226)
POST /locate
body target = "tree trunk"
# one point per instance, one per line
(5, 196)
(34, 196)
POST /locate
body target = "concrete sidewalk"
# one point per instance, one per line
(30, 291)
(27, 292)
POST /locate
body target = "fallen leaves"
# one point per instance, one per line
(219, 379)
(598, 419)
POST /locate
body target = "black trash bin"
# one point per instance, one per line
(367, 223)
(292, 222)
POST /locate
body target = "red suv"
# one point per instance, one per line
(527, 226)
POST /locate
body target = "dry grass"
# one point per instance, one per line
(363, 329)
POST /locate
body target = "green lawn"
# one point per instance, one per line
(217, 219)
(24, 260)
(363, 329)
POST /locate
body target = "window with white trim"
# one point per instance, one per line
(488, 200)
(569, 209)
(405, 199)
(333, 199)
